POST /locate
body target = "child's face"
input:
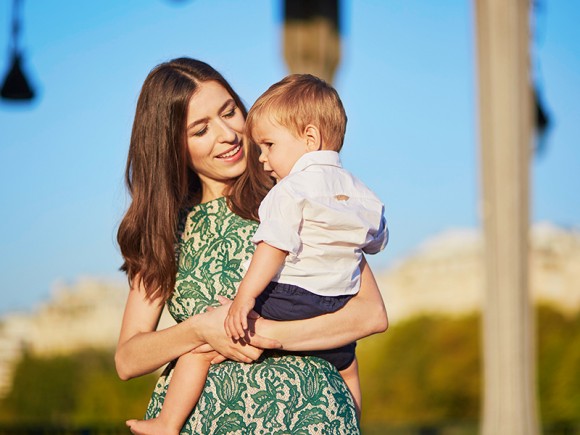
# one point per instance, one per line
(280, 148)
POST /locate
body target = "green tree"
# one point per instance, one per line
(558, 365)
(427, 370)
(79, 389)
(422, 371)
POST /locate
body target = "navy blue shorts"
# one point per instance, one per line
(289, 302)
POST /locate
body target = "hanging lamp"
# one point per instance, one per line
(15, 85)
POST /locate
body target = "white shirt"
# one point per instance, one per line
(325, 218)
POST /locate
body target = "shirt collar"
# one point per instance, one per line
(322, 157)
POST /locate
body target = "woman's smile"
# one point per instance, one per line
(233, 154)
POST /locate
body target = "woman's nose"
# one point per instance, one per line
(227, 133)
(262, 158)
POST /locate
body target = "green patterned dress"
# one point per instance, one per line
(279, 394)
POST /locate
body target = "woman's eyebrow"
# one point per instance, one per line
(205, 119)
(199, 121)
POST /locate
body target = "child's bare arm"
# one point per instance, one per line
(265, 263)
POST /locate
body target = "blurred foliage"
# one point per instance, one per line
(422, 373)
(427, 371)
(75, 390)
(424, 370)
(559, 366)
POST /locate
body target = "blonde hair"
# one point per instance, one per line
(299, 100)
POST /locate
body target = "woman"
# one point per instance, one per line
(195, 191)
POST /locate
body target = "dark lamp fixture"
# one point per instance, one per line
(15, 86)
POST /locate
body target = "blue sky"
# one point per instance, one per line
(407, 80)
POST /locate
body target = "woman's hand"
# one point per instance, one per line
(247, 349)
(139, 331)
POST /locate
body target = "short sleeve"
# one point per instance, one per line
(280, 220)
(379, 239)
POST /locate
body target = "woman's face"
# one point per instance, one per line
(214, 138)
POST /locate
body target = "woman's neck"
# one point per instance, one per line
(212, 190)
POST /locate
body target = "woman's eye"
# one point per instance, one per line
(200, 132)
(231, 113)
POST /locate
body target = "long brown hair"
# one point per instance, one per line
(159, 180)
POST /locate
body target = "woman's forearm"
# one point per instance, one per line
(141, 348)
(148, 351)
(363, 315)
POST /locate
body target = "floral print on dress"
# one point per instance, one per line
(280, 393)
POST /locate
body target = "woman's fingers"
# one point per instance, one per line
(218, 359)
(259, 340)
(239, 351)
(249, 354)
(212, 323)
(223, 300)
(244, 352)
(202, 349)
(263, 342)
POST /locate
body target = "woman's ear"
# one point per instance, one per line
(313, 139)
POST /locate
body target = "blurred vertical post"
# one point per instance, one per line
(505, 128)
(312, 37)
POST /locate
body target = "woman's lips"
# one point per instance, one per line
(233, 154)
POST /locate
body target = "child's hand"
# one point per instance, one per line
(236, 323)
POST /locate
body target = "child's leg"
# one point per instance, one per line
(350, 376)
(185, 388)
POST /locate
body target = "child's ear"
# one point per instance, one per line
(313, 139)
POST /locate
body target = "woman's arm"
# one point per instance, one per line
(363, 315)
(142, 349)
